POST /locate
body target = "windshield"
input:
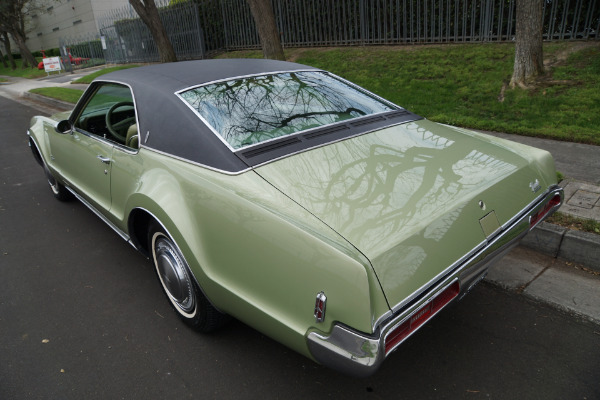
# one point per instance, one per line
(252, 110)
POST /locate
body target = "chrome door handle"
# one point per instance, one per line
(105, 160)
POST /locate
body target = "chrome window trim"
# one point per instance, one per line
(205, 122)
(87, 98)
(317, 128)
(213, 130)
(109, 142)
(333, 141)
(274, 159)
(244, 148)
(187, 161)
(367, 92)
(248, 76)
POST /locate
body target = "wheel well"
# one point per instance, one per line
(36, 152)
(138, 224)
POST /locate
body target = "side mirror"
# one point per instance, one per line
(64, 127)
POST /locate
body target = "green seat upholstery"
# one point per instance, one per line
(131, 139)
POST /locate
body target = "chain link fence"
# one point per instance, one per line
(201, 27)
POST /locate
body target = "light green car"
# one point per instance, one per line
(322, 215)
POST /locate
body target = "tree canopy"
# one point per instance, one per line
(14, 16)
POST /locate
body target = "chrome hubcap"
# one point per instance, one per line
(174, 275)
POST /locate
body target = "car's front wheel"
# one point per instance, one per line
(58, 190)
(180, 286)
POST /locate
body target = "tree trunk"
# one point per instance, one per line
(149, 15)
(264, 18)
(6, 42)
(3, 60)
(26, 55)
(529, 58)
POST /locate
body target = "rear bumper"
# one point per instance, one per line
(359, 354)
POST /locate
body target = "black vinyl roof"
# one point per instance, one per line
(168, 125)
(172, 77)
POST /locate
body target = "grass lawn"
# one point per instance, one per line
(60, 93)
(463, 84)
(72, 95)
(466, 85)
(28, 73)
(3, 80)
(89, 78)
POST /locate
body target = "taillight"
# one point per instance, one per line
(541, 214)
(320, 305)
(420, 316)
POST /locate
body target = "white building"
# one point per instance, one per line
(67, 18)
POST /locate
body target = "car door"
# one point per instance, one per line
(84, 156)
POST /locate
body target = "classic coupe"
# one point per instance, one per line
(324, 216)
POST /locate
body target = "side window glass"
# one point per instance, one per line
(110, 113)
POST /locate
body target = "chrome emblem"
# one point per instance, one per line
(535, 186)
(320, 304)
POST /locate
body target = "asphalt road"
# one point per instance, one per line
(82, 316)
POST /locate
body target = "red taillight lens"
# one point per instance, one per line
(419, 317)
(320, 305)
(541, 214)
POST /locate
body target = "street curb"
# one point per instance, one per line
(545, 279)
(545, 238)
(581, 247)
(557, 241)
(58, 104)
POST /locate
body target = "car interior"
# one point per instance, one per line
(110, 113)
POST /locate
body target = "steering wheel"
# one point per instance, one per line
(112, 128)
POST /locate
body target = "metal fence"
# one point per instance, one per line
(200, 27)
(127, 39)
(81, 51)
(365, 22)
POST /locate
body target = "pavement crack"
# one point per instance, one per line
(524, 287)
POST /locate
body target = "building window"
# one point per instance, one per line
(55, 29)
(77, 22)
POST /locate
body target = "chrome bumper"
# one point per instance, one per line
(359, 354)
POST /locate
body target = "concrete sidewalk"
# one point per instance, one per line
(554, 264)
(17, 89)
(555, 281)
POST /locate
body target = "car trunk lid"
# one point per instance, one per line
(414, 198)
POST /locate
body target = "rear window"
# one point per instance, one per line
(252, 110)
